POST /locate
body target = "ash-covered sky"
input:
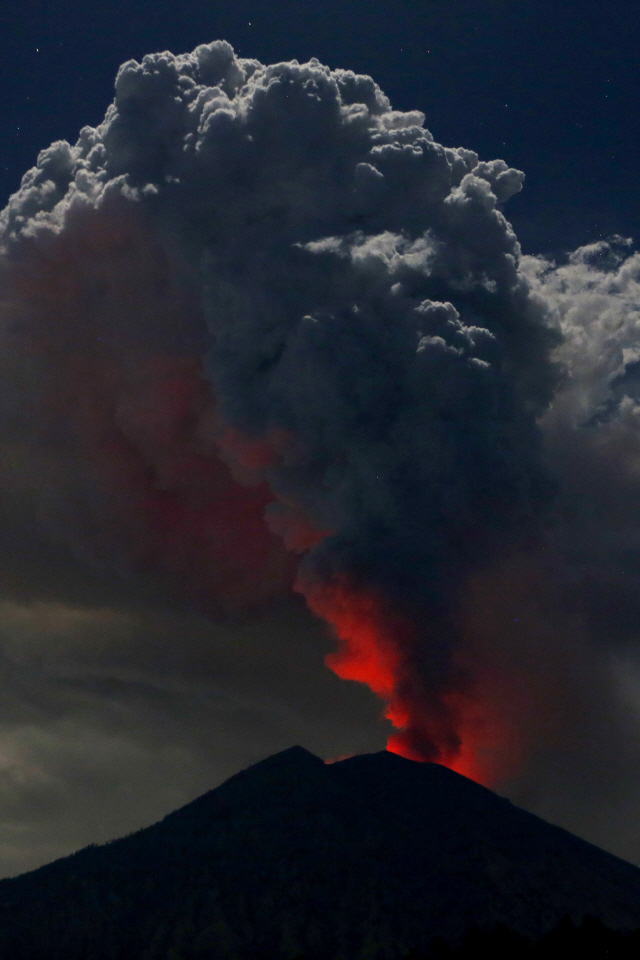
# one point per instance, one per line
(268, 346)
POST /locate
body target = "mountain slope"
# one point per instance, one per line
(371, 856)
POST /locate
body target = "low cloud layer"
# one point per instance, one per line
(111, 718)
(264, 339)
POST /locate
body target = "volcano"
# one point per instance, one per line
(375, 855)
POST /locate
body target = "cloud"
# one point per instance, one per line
(591, 430)
(261, 335)
(269, 266)
(109, 719)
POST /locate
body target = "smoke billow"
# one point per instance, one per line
(262, 333)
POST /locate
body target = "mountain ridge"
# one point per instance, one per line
(293, 856)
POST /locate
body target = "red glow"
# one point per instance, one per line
(453, 724)
(126, 421)
(251, 455)
(339, 759)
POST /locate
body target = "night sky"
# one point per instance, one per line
(548, 86)
(121, 699)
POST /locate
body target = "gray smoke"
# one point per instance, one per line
(257, 313)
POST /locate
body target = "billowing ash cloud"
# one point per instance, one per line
(256, 314)
(592, 429)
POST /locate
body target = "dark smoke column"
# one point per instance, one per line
(374, 360)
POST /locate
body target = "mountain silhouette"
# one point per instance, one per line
(373, 856)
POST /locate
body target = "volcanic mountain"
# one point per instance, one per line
(371, 856)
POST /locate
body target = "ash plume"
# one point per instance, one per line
(261, 333)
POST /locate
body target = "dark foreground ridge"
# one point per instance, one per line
(369, 857)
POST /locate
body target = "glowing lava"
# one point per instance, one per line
(447, 719)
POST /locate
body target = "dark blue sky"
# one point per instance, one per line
(549, 85)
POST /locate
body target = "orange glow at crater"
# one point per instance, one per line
(454, 722)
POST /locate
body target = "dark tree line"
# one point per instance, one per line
(590, 940)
